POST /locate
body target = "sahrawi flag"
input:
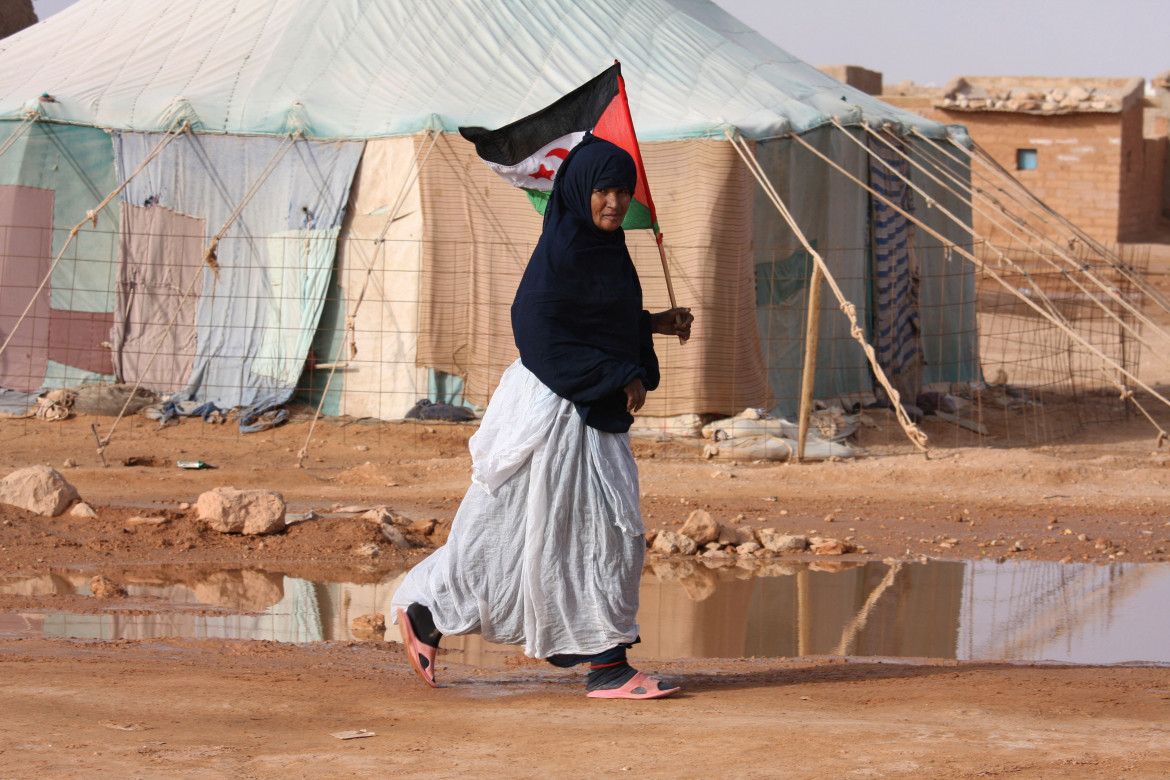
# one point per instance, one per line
(528, 152)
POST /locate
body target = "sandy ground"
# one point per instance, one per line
(211, 708)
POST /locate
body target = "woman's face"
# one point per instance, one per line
(609, 206)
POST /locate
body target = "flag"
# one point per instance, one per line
(528, 152)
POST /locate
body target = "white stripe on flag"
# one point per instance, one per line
(537, 171)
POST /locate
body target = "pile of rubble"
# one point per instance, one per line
(1056, 100)
(706, 538)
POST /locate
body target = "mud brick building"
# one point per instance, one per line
(1092, 149)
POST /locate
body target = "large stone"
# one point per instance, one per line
(671, 543)
(249, 512)
(700, 527)
(83, 510)
(39, 489)
(782, 543)
(735, 535)
(828, 546)
(395, 537)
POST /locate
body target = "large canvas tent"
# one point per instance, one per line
(288, 187)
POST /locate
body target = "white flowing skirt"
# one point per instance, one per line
(546, 550)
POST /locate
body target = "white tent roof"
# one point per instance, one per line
(373, 68)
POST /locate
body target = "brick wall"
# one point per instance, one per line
(1079, 170)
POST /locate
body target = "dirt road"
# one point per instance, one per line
(211, 708)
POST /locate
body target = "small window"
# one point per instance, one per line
(1025, 159)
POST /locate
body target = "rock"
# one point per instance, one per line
(394, 536)
(135, 521)
(70, 463)
(104, 588)
(700, 527)
(183, 507)
(1102, 543)
(747, 548)
(735, 536)
(362, 448)
(39, 489)
(821, 546)
(250, 512)
(83, 510)
(781, 543)
(671, 543)
(352, 509)
(368, 550)
(1019, 546)
(422, 527)
(375, 622)
(650, 537)
(381, 514)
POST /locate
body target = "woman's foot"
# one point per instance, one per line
(420, 654)
(640, 686)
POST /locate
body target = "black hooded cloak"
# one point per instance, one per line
(577, 317)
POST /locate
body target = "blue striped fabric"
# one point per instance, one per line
(895, 282)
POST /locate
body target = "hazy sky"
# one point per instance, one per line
(929, 41)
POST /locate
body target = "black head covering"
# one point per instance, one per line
(577, 317)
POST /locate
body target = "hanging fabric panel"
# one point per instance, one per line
(160, 256)
(208, 177)
(895, 315)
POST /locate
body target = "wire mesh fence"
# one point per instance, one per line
(360, 328)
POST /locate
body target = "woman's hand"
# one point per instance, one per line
(635, 395)
(673, 322)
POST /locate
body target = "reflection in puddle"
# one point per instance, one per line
(970, 610)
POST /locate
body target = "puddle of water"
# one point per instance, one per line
(969, 610)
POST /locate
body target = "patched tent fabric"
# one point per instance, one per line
(209, 178)
(25, 242)
(378, 268)
(71, 170)
(159, 264)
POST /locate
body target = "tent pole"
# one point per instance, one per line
(808, 380)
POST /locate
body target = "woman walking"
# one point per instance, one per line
(546, 550)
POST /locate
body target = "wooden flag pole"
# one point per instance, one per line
(666, 273)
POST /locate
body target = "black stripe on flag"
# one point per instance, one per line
(575, 112)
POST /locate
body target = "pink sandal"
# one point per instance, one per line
(640, 686)
(420, 655)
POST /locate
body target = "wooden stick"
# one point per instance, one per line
(666, 273)
(811, 336)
